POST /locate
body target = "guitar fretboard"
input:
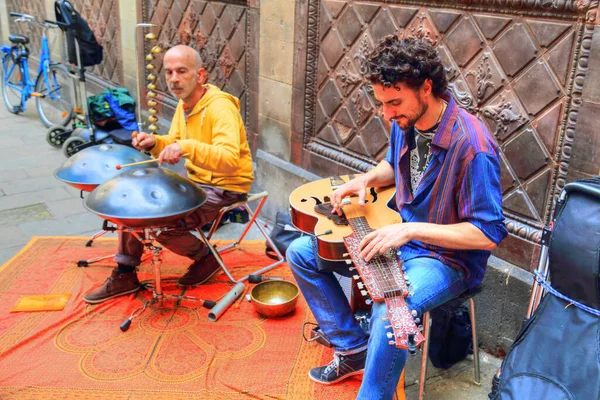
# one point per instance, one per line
(384, 281)
(382, 273)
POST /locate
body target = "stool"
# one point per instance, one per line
(262, 196)
(426, 331)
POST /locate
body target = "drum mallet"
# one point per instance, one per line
(226, 301)
(260, 278)
(119, 166)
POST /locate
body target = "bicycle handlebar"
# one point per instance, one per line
(51, 24)
(30, 19)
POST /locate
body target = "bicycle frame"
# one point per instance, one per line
(27, 86)
(45, 63)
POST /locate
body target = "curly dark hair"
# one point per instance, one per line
(406, 60)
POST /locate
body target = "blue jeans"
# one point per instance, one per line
(432, 282)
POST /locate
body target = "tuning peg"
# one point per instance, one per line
(355, 277)
(150, 36)
(414, 313)
(345, 255)
(403, 267)
(151, 94)
(152, 103)
(390, 335)
(152, 119)
(150, 67)
(364, 293)
(156, 50)
(151, 77)
(420, 328)
(369, 302)
(387, 327)
(406, 278)
(417, 320)
(360, 285)
(152, 111)
(392, 343)
(352, 268)
(153, 127)
(150, 57)
(384, 319)
(348, 262)
(151, 86)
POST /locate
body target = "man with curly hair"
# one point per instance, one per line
(445, 167)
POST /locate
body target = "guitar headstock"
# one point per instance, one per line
(405, 333)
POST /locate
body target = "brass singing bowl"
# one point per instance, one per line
(274, 298)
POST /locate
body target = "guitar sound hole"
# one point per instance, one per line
(303, 201)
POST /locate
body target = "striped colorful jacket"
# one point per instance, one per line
(461, 184)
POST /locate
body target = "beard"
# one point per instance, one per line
(406, 122)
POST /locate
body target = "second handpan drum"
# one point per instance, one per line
(146, 198)
(95, 165)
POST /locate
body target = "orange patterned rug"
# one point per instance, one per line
(168, 353)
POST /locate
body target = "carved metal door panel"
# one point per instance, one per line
(519, 69)
(103, 18)
(225, 33)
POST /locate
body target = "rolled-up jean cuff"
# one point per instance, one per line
(354, 350)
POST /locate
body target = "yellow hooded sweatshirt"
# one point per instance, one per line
(213, 141)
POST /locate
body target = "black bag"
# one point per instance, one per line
(450, 336)
(556, 355)
(76, 28)
(282, 235)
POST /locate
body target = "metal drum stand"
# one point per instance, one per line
(147, 236)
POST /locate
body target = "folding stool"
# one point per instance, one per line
(262, 196)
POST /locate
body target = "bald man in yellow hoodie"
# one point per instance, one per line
(207, 130)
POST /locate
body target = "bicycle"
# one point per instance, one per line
(53, 102)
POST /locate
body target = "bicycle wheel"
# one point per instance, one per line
(11, 84)
(55, 104)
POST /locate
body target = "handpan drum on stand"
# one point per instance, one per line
(91, 167)
(146, 202)
(146, 198)
(95, 165)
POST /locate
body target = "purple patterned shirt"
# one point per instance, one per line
(461, 184)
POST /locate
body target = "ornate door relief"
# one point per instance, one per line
(103, 18)
(518, 65)
(226, 35)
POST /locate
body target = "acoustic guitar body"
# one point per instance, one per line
(330, 229)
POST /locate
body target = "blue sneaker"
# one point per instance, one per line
(340, 368)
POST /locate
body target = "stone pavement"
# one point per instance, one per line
(34, 203)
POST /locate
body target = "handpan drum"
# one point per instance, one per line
(93, 166)
(146, 198)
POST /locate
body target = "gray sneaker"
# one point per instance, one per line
(116, 285)
(340, 368)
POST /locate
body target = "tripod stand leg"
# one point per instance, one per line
(125, 325)
(85, 263)
(94, 237)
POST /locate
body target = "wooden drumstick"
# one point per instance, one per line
(119, 166)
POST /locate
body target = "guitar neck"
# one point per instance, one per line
(382, 274)
(384, 281)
